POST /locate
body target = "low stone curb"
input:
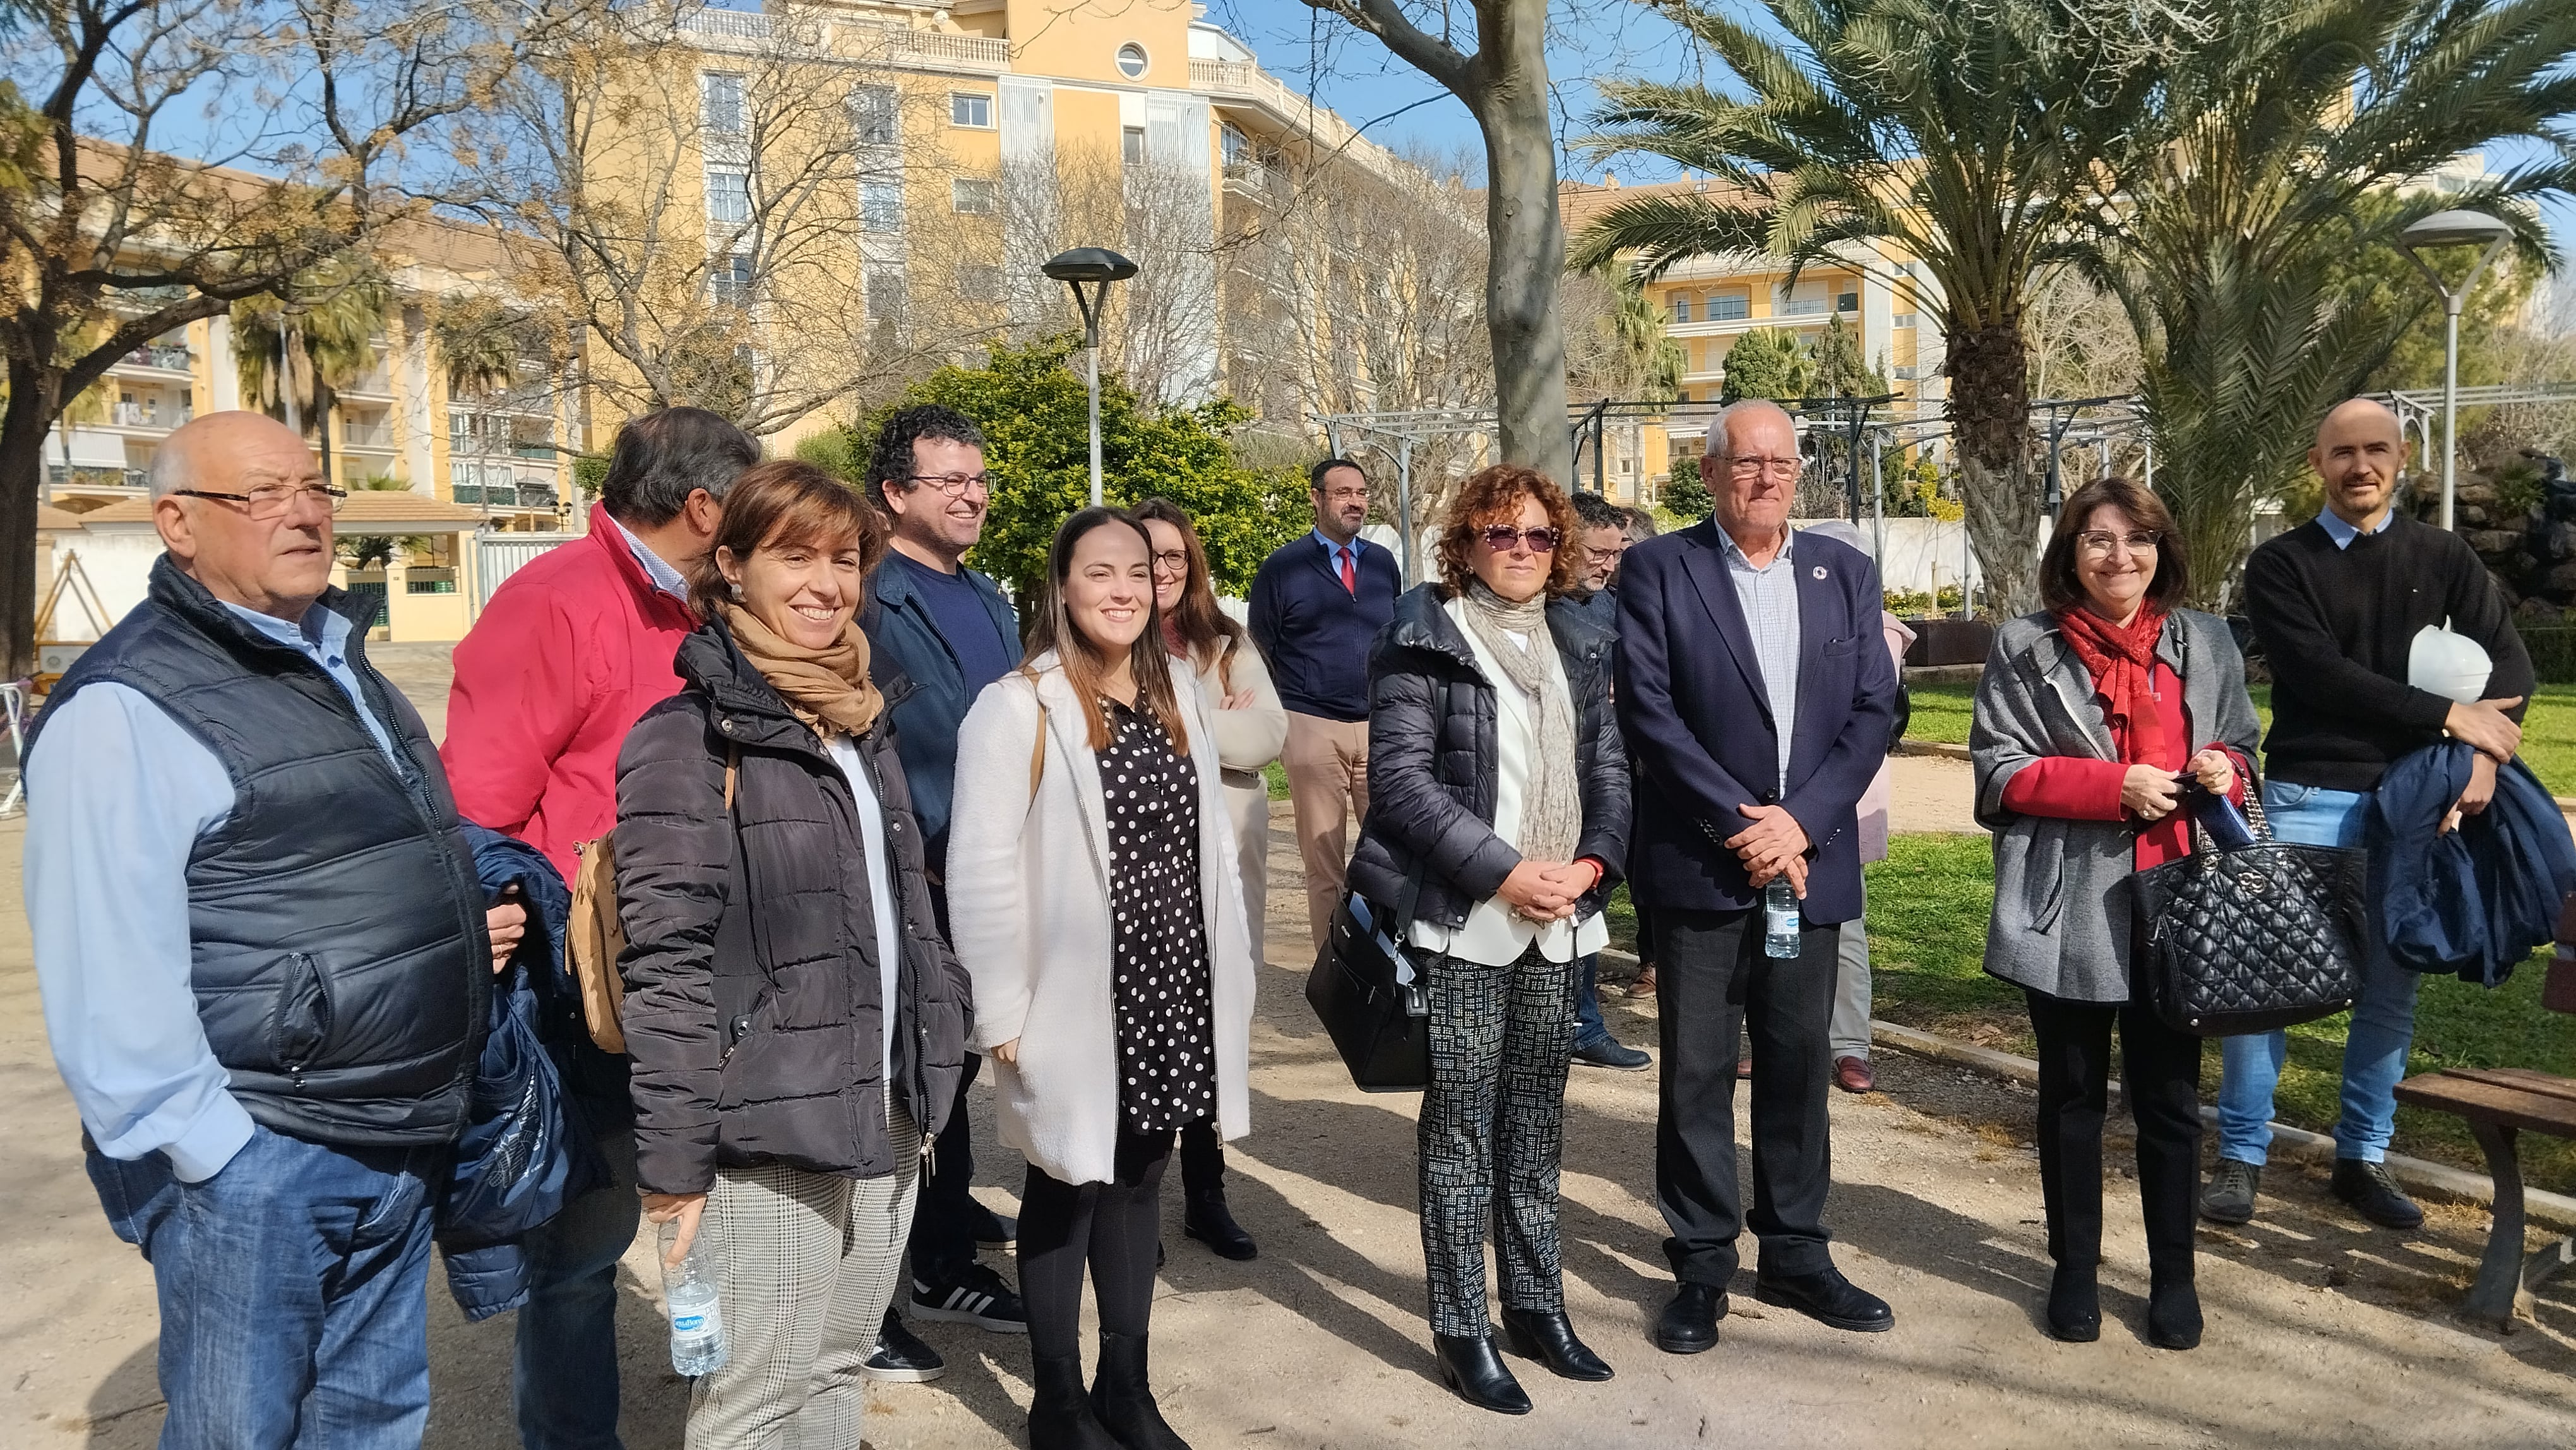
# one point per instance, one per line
(1943, 748)
(2558, 1210)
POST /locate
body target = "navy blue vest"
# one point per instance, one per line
(335, 924)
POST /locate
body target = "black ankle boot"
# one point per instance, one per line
(1548, 1337)
(1469, 1365)
(1060, 1416)
(1123, 1397)
(1206, 1218)
(2075, 1304)
(2173, 1311)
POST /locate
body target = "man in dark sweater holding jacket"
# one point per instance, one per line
(2337, 604)
(1315, 607)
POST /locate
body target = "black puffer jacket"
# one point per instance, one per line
(1434, 767)
(751, 966)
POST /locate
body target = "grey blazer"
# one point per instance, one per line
(2063, 909)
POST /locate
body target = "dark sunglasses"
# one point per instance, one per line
(1502, 539)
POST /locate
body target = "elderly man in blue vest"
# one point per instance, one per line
(264, 959)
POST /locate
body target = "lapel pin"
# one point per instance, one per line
(1820, 571)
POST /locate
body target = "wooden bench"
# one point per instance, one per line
(2499, 1104)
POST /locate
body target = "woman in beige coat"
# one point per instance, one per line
(1093, 900)
(1251, 726)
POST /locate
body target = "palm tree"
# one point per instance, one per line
(1949, 129)
(480, 344)
(2278, 147)
(322, 331)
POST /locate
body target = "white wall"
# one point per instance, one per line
(118, 563)
(1926, 555)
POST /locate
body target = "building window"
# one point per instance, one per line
(1905, 319)
(1681, 307)
(970, 108)
(730, 283)
(1131, 145)
(885, 294)
(1730, 306)
(1132, 61)
(873, 112)
(881, 205)
(979, 282)
(973, 195)
(720, 97)
(1847, 302)
(728, 194)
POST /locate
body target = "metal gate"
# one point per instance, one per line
(497, 556)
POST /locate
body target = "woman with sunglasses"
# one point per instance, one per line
(1251, 726)
(1498, 813)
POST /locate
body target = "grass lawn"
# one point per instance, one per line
(2548, 739)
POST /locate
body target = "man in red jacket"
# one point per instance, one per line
(570, 652)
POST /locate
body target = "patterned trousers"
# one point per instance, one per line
(805, 1266)
(1496, 1107)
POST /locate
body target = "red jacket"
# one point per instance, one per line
(2078, 789)
(572, 650)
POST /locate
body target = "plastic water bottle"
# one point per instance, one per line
(1779, 919)
(689, 1292)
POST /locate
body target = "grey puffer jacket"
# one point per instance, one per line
(1434, 765)
(753, 1011)
(2064, 909)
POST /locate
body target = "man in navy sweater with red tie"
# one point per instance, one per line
(1315, 606)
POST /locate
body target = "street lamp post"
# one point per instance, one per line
(1098, 266)
(2453, 229)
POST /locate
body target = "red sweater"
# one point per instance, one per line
(2078, 788)
(571, 651)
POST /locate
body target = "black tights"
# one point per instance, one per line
(1114, 1227)
(2160, 1070)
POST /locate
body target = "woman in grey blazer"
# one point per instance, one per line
(2089, 717)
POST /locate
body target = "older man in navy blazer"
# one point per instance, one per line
(1757, 701)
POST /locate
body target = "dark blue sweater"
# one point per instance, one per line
(1315, 635)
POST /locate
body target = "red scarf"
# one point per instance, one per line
(2122, 659)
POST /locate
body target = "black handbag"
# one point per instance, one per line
(2252, 939)
(1371, 997)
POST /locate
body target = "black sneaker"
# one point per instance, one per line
(977, 1296)
(1609, 1052)
(2372, 1190)
(901, 1358)
(2230, 1195)
(995, 1230)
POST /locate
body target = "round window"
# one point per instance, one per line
(1131, 61)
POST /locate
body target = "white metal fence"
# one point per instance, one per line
(497, 556)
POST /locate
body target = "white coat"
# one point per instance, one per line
(1028, 893)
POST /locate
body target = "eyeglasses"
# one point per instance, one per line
(1503, 538)
(1343, 495)
(2097, 541)
(1172, 561)
(1756, 467)
(954, 484)
(1605, 556)
(272, 500)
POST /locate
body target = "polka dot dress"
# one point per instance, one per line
(1166, 1031)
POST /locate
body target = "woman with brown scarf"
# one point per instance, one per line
(796, 1021)
(2090, 718)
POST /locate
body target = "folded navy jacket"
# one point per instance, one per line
(2480, 899)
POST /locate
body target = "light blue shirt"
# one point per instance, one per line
(1333, 553)
(2343, 533)
(1770, 599)
(656, 568)
(116, 800)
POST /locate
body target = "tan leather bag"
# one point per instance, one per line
(594, 935)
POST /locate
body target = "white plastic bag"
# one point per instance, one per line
(2453, 666)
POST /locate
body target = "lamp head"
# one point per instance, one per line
(2455, 229)
(1089, 264)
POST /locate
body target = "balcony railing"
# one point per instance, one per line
(145, 415)
(154, 355)
(727, 24)
(934, 47)
(506, 496)
(1804, 307)
(375, 436)
(374, 382)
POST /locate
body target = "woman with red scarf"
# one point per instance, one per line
(2089, 718)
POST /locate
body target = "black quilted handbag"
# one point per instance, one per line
(2252, 939)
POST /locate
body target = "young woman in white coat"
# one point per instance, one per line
(1091, 863)
(1251, 727)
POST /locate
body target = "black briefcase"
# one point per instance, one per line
(1373, 1001)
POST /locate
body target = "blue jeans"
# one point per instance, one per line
(2383, 1017)
(294, 1292)
(564, 1384)
(1589, 1029)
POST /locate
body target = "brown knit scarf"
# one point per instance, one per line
(826, 688)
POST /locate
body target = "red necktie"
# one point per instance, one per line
(1350, 575)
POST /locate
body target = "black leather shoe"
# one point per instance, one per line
(2075, 1305)
(1060, 1416)
(1689, 1323)
(2173, 1313)
(901, 1357)
(1469, 1366)
(1828, 1298)
(2372, 1191)
(1123, 1397)
(1206, 1218)
(1549, 1338)
(995, 1230)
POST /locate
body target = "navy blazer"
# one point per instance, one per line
(1699, 724)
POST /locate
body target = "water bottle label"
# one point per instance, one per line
(689, 1325)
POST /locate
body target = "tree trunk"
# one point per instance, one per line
(22, 473)
(1527, 254)
(1989, 371)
